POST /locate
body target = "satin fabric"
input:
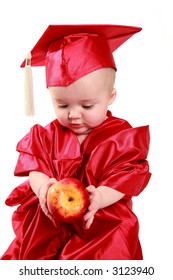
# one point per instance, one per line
(114, 154)
(67, 59)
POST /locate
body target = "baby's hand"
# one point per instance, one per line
(95, 202)
(42, 195)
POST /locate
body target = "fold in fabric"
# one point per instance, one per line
(115, 155)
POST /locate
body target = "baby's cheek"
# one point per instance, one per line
(96, 117)
(61, 118)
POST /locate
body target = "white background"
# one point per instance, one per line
(144, 85)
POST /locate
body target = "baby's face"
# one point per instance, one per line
(83, 105)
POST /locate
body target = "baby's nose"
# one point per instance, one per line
(74, 114)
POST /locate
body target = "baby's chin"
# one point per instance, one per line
(81, 131)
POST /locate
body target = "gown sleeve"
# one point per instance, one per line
(35, 153)
(120, 162)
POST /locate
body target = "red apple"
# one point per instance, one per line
(67, 200)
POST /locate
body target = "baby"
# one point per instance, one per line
(81, 107)
(85, 142)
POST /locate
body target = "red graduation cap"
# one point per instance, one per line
(69, 52)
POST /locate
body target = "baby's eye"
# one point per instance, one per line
(87, 107)
(62, 106)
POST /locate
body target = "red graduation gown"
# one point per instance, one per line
(114, 154)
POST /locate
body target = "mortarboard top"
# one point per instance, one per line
(69, 52)
(116, 35)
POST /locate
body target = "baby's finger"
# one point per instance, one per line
(89, 214)
(89, 222)
(44, 208)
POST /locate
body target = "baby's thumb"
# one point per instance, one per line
(52, 181)
(91, 189)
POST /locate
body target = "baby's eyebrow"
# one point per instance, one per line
(82, 100)
(59, 100)
(89, 100)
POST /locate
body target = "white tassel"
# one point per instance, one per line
(28, 87)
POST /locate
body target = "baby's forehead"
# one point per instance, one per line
(99, 78)
(104, 71)
(86, 88)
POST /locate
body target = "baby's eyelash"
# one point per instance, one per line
(62, 106)
(87, 106)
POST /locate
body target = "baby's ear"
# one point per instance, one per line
(112, 96)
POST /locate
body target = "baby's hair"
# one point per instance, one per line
(112, 77)
(109, 75)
